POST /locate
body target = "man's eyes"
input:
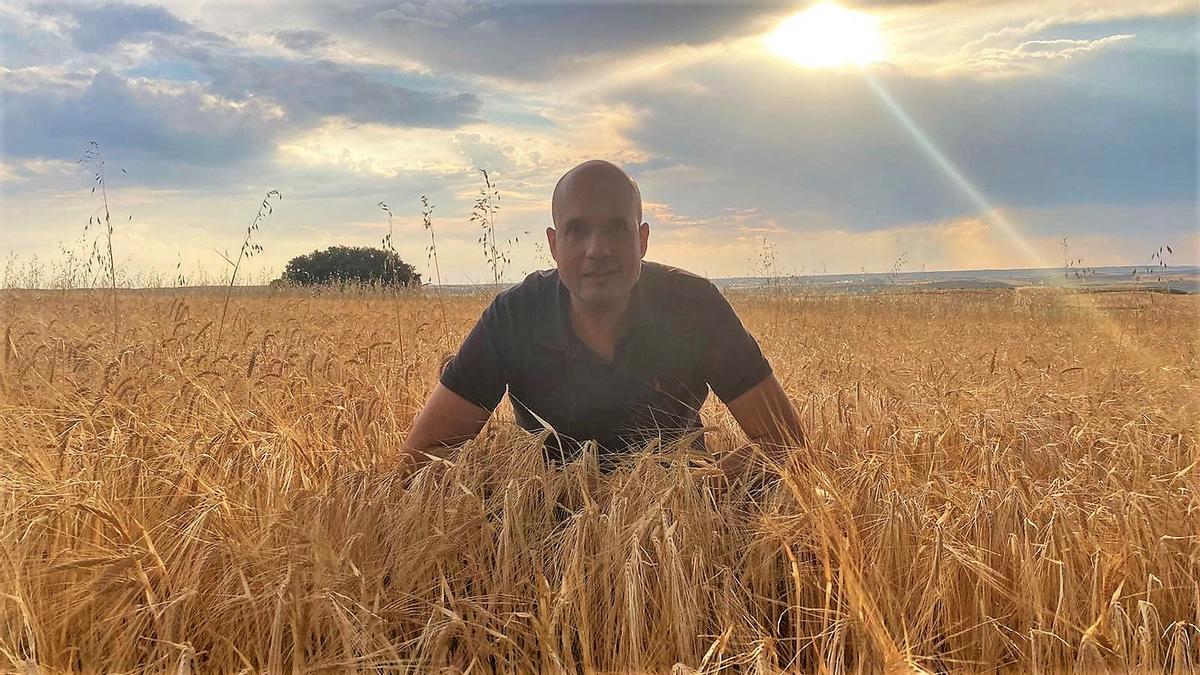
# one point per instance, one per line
(609, 230)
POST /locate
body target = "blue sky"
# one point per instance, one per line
(1065, 118)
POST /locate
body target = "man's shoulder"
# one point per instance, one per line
(666, 283)
(672, 273)
(677, 284)
(534, 290)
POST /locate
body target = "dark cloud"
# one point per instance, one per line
(425, 13)
(100, 27)
(310, 91)
(303, 40)
(186, 133)
(229, 113)
(536, 40)
(141, 119)
(529, 41)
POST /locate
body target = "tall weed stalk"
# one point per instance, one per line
(487, 205)
(249, 248)
(102, 216)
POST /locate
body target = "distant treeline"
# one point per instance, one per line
(342, 264)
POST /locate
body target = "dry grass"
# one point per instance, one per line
(1010, 481)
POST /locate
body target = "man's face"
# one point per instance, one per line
(598, 243)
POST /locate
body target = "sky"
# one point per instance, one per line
(979, 136)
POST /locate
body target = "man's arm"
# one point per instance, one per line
(469, 387)
(447, 421)
(769, 420)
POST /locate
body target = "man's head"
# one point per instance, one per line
(598, 238)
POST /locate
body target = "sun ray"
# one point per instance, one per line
(988, 210)
(994, 216)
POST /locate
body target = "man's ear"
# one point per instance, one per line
(551, 235)
(644, 237)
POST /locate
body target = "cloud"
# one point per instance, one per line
(311, 91)
(486, 153)
(663, 216)
(303, 40)
(1065, 48)
(436, 14)
(1032, 55)
(533, 41)
(101, 27)
(230, 105)
(1089, 133)
(375, 149)
(141, 117)
(964, 243)
(791, 140)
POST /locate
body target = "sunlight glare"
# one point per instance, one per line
(827, 36)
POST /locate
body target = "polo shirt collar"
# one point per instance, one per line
(556, 333)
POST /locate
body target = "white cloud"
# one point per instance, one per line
(435, 14)
(374, 149)
(1031, 55)
(932, 38)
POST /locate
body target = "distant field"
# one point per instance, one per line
(1006, 478)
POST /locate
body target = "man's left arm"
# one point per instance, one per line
(742, 379)
(771, 424)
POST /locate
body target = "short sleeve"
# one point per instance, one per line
(733, 363)
(476, 372)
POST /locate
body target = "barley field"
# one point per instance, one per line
(993, 480)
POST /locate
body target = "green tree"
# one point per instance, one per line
(340, 264)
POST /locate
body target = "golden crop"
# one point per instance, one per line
(1006, 478)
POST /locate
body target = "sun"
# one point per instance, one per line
(827, 36)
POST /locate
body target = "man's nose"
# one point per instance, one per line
(598, 246)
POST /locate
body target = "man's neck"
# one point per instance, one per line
(601, 319)
(599, 326)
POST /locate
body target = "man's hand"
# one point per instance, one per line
(404, 465)
(743, 468)
(769, 420)
(737, 464)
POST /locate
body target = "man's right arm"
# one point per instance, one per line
(470, 387)
(447, 421)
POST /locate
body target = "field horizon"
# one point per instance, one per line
(1173, 278)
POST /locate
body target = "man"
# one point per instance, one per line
(606, 347)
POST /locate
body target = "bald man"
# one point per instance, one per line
(607, 346)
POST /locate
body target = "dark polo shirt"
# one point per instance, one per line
(682, 338)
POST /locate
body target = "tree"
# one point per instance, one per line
(340, 264)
